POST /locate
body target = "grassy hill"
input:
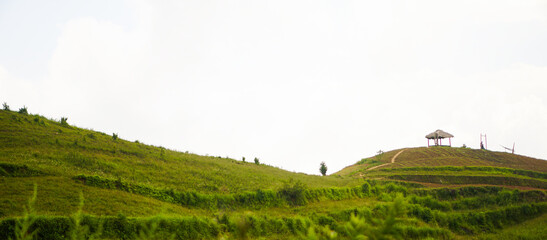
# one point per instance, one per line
(437, 166)
(136, 191)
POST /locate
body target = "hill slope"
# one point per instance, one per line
(58, 149)
(130, 187)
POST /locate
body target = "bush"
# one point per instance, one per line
(114, 136)
(257, 162)
(293, 192)
(63, 122)
(5, 106)
(366, 189)
(23, 110)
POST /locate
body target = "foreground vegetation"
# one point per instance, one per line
(84, 184)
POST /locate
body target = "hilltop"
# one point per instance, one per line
(447, 156)
(129, 187)
(453, 166)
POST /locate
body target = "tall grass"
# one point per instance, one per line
(23, 225)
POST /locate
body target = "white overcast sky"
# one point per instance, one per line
(292, 82)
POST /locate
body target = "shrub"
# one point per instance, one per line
(385, 224)
(5, 106)
(369, 161)
(323, 168)
(114, 136)
(152, 230)
(23, 110)
(63, 122)
(243, 159)
(366, 189)
(162, 153)
(257, 162)
(293, 192)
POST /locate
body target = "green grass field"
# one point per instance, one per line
(135, 191)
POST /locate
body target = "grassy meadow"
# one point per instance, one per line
(59, 181)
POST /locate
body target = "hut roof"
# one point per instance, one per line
(438, 134)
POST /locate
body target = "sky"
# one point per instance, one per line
(293, 83)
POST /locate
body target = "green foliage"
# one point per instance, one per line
(377, 228)
(369, 161)
(64, 122)
(136, 162)
(257, 161)
(466, 179)
(114, 136)
(473, 222)
(323, 169)
(92, 136)
(151, 230)
(23, 110)
(5, 106)
(320, 233)
(293, 192)
(380, 154)
(366, 189)
(228, 199)
(23, 229)
(162, 153)
(527, 173)
(458, 193)
(16, 170)
(80, 231)
(385, 222)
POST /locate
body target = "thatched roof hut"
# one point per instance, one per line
(438, 136)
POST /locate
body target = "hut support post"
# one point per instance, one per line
(450, 141)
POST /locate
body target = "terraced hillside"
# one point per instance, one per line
(437, 166)
(62, 182)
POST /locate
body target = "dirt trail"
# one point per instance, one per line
(392, 161)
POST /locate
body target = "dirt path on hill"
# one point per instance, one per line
(392, 161)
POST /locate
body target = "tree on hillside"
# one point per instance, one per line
(323, 168)
(23, 110)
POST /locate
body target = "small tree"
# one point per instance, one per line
(323, 168)
(114, 136)
(257, 162)
(380, 155)
(63, 122)
(6, 106)
(243, 159)
(23, 110)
